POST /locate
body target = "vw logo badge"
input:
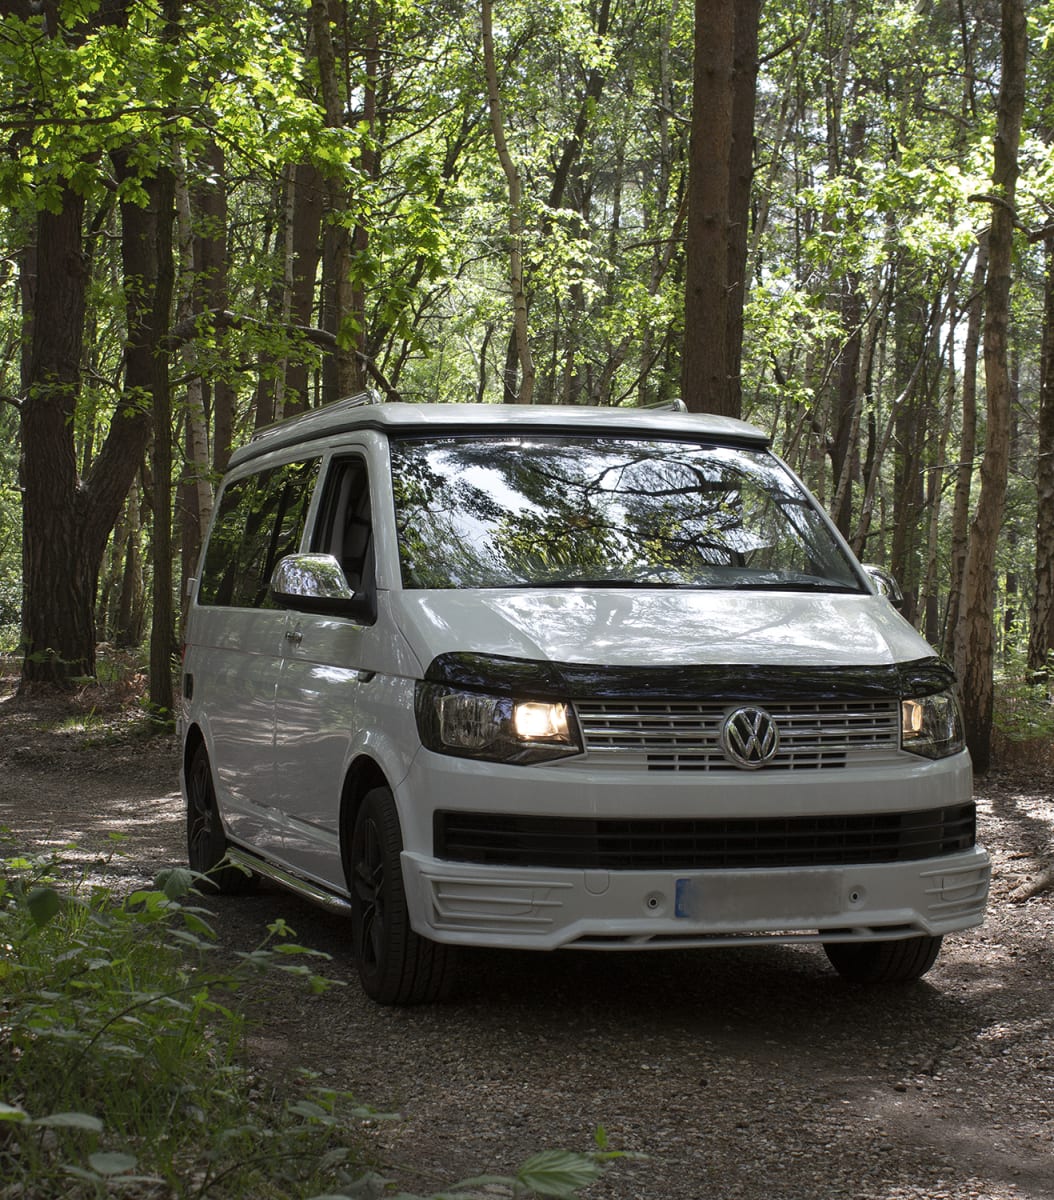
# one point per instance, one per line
(749, 738)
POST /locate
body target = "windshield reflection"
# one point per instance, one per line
(530, 511)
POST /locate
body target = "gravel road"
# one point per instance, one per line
(738, 1073)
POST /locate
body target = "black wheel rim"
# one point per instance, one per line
(369, 892)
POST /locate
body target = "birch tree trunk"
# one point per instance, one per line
(195, 487)
(967, 449)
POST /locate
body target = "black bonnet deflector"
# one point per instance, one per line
(505, 676)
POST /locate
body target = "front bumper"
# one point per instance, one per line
(546, 909)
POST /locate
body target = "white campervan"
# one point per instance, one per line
(565, 678)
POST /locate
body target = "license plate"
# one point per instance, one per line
(758, 896)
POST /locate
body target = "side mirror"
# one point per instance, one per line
(316, 583)
(886, 585)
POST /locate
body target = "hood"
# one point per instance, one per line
(653, 628)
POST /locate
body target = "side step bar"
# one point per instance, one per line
(286, 879)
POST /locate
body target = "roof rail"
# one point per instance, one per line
(675, 405)
(369, 396)
(359, 400)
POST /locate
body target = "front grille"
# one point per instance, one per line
(685, 736)
(700, 844)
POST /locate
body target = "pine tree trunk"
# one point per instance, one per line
(976, 659)
(740, 181)
(524, 356)
(308, 189)
(58, 580)
(341, 315)
(1041, 638)
(147, 259)
(705, 366)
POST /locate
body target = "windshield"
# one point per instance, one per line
(560, 511)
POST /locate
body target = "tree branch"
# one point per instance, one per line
(223, 318)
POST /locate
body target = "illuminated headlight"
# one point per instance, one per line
(494, 728)
(931, 726)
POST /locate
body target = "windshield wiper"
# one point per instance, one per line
(610, 582)
(795, 585)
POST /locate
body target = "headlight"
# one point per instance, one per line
(494, 728)
(931, 726)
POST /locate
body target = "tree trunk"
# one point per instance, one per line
(934, 492)
(146, 251)
(967, 449)
(196, 220)
(740, 181)
(524, 356)
(1041, 638)
(129, 615)
(66, 518)
(976, 646)
(705, 368)
(212, 290)
(58, 580)
(846, 400)
(308, 189)
(341, 316)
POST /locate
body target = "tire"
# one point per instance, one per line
(901, 961)
(396, 965)
(206, 841)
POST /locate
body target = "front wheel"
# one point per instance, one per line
(901, 961)
(396, 965)
(206, 840)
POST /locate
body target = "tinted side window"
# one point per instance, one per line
(260, 519)
(345, 525)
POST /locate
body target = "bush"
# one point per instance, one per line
(119, 1059)
(1024, 716)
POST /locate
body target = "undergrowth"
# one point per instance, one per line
(1023, 734)
(121, 1068)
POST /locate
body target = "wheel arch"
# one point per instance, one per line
(364, 774)
(193, 738)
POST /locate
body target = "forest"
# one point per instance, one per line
(834, 218)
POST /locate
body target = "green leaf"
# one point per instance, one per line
(176, 882)
(557, 1173)
(81, 1173)
(306, 1108)
(187, 938)
(111, 1162)
(44, 904)
(292, 948)
(71, 1120)
(11, 1112)
(196, 925)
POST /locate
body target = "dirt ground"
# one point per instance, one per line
(739, 1073)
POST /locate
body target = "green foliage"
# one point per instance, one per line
(559, 1174)
(1024, 706)
(121, 1061)
(121, 1042)
(874, 142)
